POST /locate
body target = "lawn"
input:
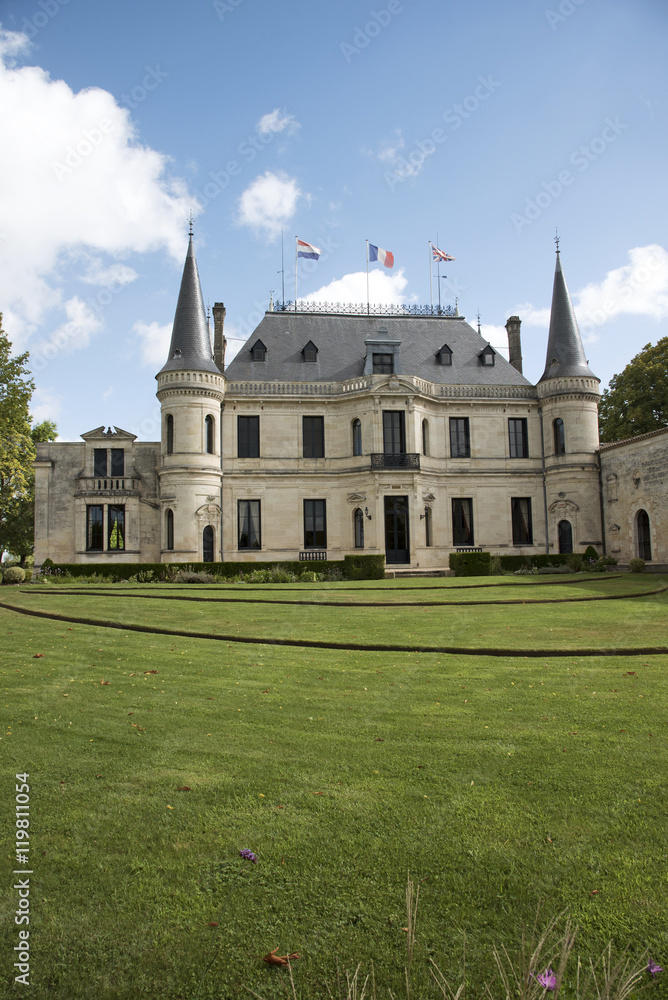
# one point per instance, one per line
(500, 782)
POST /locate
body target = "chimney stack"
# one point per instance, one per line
(219, 342)
(514, 342)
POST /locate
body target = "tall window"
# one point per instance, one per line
(315, 524)
(644, 542)
(117, 462)
(460, 441)
(169, 428)
(94, 528)
(357, 437)
(522, 526)
(248, 512)
(169, 529)
(519, 441)
(565, 531)
(207, 544)
(425, 437)
(462, 521)
(314, 437)
(358, 520)
(559, 438)
(115, 527)
(248, 437)
(394, 434)
(383, 364)
(208, 429)
(100, 462)
(427, 526)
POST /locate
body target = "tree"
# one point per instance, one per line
(17, 451)
(637, 400)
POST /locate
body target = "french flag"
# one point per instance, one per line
(306, 250)
(384, 256)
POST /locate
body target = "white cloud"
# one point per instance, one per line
(639, 288)
(73, 335)
(112, 275)
(389, 152)
(46, 404)
(268, 203)
(384, 289)
(72, 174)
(154, 341)
(389, 149)
(277, 122)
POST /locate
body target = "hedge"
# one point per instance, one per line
(358, 567)
(510, 564)
(471, 563)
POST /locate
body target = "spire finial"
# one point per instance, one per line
(556, 238)
(190, 225)
(478, 320)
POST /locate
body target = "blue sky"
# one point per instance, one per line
(488, 125)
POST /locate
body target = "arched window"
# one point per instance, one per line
(209, 425)
(642, 530)
(170, 433)
(358, 518)
(357, 437)
(425, 437)
(169, 530)
(559, 439)
(565, 536)
(427, 526)
(207, 544)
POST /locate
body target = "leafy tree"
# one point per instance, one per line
(637, 400)
(17, 451)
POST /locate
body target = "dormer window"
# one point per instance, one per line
(310, 352)
(444, 356)
(487, 356)
(258, 351)
(383, 364)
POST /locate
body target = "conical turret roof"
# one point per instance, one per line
(565, 353)
(191, 344)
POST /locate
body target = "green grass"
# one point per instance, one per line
(499, 782)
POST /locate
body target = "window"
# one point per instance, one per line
(522, 526)
(559, 439)
(462, 521)
(94, 527)
(258, 351)
(425, 437)
(207, 544)
(444, 356)
(315, 524)
(427, 527)
(644, 543)
(383, 364)
(394, 434)
(248, 437)
(565, 531)
(169, 529)
(117, 462)
(310, 352)
(519, 443)
(208, 428)
(169, 433)
(100, 462)
(314, 437)
(357, 437)
(358, 520)
(115, 528)
(248, 512)
(487, 356)
(460, 442)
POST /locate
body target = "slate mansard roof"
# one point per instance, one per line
(342, 349)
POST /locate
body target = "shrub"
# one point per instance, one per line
(495, 566)
(635, 565)
(471, 563)
(361, 567)
(189, 575)
(590, 553)
(17, 575)
(308, 576)
(575, 561)
(563, 568)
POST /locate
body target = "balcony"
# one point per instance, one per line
(386, 460)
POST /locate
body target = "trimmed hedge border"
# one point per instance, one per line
(358, 567)
(471, 563)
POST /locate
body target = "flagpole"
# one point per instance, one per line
(431, 283)
(296, 273)
(438, 276)
(367, 277)
(282, 271)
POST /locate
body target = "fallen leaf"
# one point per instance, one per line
(184, 789)
(150, 671)
(105, 682)
(37, 656)
(273, 959)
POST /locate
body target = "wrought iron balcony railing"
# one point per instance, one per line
(385, 460)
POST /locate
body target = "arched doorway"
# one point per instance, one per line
(207, 544)
(565, 536)
(358, 519)
(642, 532)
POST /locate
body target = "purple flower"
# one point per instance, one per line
(248, 854)
(547, 979)
(653, 967)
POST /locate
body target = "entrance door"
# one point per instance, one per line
(396, 530)
(207, 544)
(565, 536)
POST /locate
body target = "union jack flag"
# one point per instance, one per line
(440, 254)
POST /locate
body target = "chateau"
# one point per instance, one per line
(399, 432)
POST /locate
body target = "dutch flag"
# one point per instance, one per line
(306, 250)
(384, 256)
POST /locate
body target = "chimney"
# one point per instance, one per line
(514, 342)
(219, 342)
